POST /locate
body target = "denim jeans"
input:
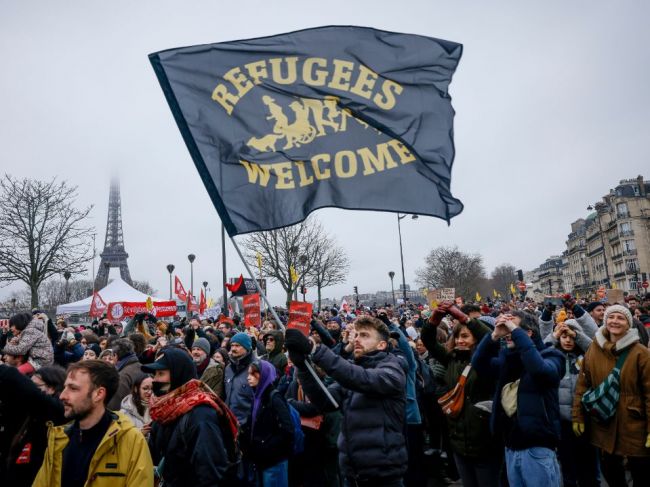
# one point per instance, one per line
(533, 467)
(275, 476)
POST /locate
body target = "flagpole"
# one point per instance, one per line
(277, 319)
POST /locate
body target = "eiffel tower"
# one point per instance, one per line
(114, 254)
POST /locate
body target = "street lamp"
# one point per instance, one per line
(302, 260)
(66, 276)
(602, 240)
(401, 252)
(391, 274)
(205, 289)
(170, 269)
(191, 258)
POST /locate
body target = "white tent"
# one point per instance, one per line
(115, 291)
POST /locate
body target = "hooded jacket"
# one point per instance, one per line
(267, 438)
(192, 445)
(121, 459)
(129, 370)
(573, 363)
(276, 356)
(626, 432)
(33, 343)
(371, 393)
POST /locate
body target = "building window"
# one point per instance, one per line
(629, 245)
(625, 227)
(621, 210)
(633, 284)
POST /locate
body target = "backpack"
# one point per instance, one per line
(601, 402)
(298, 435)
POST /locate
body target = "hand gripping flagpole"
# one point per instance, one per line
(279, 322)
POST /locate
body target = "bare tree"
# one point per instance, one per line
(42, 234)
(144, 287)
(330, 265)
(502, 277)
(284, 249)
(451, 267)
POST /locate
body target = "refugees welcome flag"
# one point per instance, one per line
(349, 117)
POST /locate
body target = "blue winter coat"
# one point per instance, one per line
(540, 369)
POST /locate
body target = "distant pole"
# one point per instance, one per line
(401, 252)
(224, 277)
(191, 258)
(67, 276)
(391, 274)
(170, 269)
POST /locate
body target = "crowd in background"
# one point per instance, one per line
(501, 393)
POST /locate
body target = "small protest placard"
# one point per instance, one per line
(252, 316)
(437, 296)
(300, 316)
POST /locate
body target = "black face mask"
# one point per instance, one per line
(160, 388)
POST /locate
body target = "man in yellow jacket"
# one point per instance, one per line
(99, 447)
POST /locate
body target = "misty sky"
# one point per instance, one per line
(551, 98)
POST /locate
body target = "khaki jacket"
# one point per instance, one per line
(625, 433)
(122, 458)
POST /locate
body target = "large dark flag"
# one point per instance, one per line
(348, 117)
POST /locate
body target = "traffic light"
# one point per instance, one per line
(356, 290)
(520, 275)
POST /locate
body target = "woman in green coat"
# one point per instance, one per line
(476, 453)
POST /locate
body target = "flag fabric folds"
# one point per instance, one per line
(349, 117)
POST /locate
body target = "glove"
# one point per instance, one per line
(298, 346)
(439, 313)
(568, 301)
(458, 314)
(579, 429)
(647, 442)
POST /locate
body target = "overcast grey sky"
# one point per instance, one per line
(551, 98)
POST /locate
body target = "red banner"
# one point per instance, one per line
(252, 312)
(179, 289)
(97, 306)
(300, 316)
(120, 310)
(191, 303)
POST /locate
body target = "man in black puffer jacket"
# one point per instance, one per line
(371, 393)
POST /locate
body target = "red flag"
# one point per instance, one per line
(179, 289)
(300, 316)
(252, 310)
(97, 306)
(202, 303)
(237, 288)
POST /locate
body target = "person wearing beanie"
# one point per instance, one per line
(210, 371)
(597, 311)
(242, 339)
(627, 433)
(192, 430)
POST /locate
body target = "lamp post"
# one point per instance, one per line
(401, 251)
(191, 258)
(66, 276)
(294, 254)
(13, 306)
(602, 240)
(391, 274)
(303, 261)
(205, 290)
(170, 269)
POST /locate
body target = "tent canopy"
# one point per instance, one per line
(117, 290)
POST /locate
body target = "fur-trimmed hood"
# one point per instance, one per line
(629, 339)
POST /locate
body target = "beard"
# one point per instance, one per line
(79, 411)
(199, 360)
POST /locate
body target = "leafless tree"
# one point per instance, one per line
(42, 233)
(144, 287)
(502, 277)
(283, 249)
(451, 267)
(330, 265)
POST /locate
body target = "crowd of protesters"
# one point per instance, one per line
(494, 394)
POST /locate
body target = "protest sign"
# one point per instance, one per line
(252, 314)
(122, 309)
(300, 316)
(437, 296)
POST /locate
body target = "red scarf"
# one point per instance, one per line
(181, 400)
